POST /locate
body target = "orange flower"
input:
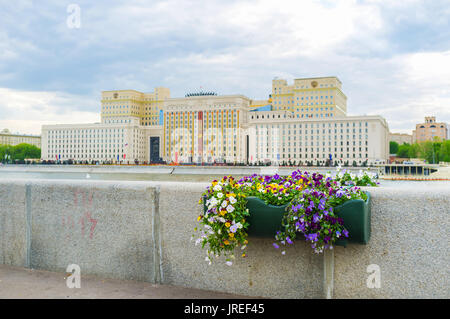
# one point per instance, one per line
(226, 242)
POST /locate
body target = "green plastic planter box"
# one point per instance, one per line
(264, 220)
(356, 215)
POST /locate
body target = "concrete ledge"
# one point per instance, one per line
(105, 228)
(409, 243)
(13, 224)
(143, 229)
(298, 274)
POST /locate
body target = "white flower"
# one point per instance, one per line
(230, 208)
(229, 263)
(217, 188)
(224, 203)
(212, 202)
(219, 195)
(239, 225)
(232, 200)
(243, 247)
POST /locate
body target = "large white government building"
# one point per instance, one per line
(299, 123)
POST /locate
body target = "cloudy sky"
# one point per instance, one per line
(393, 57)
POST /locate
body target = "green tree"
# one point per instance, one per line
(426, 151)
(393, 147)
(444, 152)
(414, 151)
(403, 150)
(6, 151)
(19, 152)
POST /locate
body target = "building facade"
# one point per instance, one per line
(310, 97)
(303, 122)
(8, 138)
(430, 130)
(123, 105)
(98, 142)
(401, 138)
(204, 128)
(278, 136)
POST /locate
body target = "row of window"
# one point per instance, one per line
(261, 131)
(312, 156)
(311, 125)
(280, 89)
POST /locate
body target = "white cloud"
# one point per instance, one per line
(26, 111)
(404, 88)
(237, 47)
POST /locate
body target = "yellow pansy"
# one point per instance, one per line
(227, 224)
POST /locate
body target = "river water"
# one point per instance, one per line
(23, 173)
